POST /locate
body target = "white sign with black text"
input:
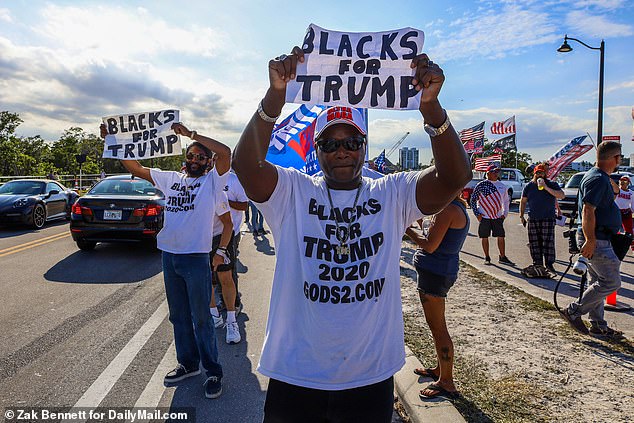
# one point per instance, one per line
(138, 136)
(370, 70)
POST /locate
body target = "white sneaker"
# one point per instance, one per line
(218, 321)
(233, 333)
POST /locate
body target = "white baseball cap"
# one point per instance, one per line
(339, 114)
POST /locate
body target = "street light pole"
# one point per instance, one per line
(565, 48)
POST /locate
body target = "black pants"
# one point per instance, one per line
(286, 403)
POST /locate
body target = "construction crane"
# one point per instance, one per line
(396, 145)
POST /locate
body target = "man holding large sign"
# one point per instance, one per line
(334, 336)
(185, 242)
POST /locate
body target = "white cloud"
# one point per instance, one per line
(495, 33)
(622, 87)
(113, 32)
(603, 4)
(586, 23)
(5, 15)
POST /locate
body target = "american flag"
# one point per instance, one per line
(473, 133)
(481, 163)
(489, 199)
(566, 154)
(379, 162)
(505, 127)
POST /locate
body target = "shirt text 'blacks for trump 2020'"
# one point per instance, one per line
(343, 278)
(370, 70)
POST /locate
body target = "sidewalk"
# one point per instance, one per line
(518, 252)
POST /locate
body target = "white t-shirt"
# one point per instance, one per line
(335, 322)
(189, 203)
(235, 192)
(624, 200)
(222, 207)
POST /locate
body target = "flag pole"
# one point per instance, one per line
(593, 143)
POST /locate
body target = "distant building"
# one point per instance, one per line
(408, 158)
(583, 166)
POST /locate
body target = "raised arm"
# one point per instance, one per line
(438, 184)
(257, 176)
(132, 166)
(223, 152)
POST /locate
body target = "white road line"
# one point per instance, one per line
(104, 383)
(153, 392)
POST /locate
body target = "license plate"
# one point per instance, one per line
(112, 215)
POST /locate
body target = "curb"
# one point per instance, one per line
(407, 386)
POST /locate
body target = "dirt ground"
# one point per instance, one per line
(516, 359)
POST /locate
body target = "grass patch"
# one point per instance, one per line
(509, 399)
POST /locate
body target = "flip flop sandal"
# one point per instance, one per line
(440, 392)
(429, 372)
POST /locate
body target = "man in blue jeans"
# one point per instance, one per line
(185, 240)
(257, 220)
(600, 219)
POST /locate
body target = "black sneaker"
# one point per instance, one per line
(213, 387)
(505, 260)
(179, 374)
(576, 323)
(606, 332)
(487, 260)
(551, 268)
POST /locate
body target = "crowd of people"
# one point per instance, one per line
(332, 346)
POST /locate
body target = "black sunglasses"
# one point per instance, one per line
(353, 143)
(198, 157)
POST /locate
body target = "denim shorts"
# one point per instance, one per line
(433, 284)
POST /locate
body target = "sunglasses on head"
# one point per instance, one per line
(353, 143)
(198, 157)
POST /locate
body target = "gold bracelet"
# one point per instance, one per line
(264, 116)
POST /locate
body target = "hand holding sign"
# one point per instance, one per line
(283, 68)
(428, 78)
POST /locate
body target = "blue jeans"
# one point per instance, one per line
(188, 288)
(257, 220)
(605, 278)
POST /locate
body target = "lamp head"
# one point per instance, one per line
(565, 47)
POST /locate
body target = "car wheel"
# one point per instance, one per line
(86, 245)
(38, 216)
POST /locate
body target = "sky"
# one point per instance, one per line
(67, 64)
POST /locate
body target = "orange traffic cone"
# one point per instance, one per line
(611, 299)
(613, 305)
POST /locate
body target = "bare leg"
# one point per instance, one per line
(485, 246)
(434, 308)
(212, 303)
(501, 246)
(228, 290)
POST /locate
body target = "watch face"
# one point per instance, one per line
(430, 130)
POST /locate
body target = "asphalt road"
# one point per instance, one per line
(517, 250)
(90, 328)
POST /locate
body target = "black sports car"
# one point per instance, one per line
(117, 209)
(35, 201)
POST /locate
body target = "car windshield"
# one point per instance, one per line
(575, 181)
(125, 187)
(22, 187)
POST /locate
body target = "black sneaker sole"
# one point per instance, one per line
(178, 379)
(214, 395)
